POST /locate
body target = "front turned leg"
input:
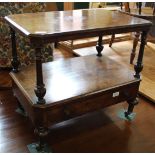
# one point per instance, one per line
(40, 90)
(131, 103)
(99, 46)
(139, 66)
(41, 146)
(135, 43)
(42, 133)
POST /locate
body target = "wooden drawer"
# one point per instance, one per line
(91, 103)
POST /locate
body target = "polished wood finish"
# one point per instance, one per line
(74, 95)
(74, 24)
(17, 131)
(80, 100)
(120, 52)
(60, 76)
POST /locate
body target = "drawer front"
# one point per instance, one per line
(91, 103)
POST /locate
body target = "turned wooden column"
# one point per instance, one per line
(112, 40)
(41, 129)
(42, 133)
(131, 103)
(15, 62)
(121, 5)
(127, 7)
(135, 43)
(139, 66)
(40, 90)
(99, 46)
(140, 7)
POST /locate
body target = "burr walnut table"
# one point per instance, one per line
(60, 90)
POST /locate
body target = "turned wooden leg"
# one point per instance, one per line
(121, 5)
(135, 43)
(56, 45)
(15, 62)
(131, 103)
(72, 44)
(140, 7)
(112, 40)
(154, 10)
(99, 46)
(42, 132)
(139, 66)
(40, 90)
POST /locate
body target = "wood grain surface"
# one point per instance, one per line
(58, 23)
(121, 52)
(66, 79)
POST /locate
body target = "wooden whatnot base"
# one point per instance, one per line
(74, 87)
(65, 89)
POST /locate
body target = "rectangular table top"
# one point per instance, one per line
(73, 78)
(92, 22)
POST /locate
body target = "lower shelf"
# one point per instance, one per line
(74, 87)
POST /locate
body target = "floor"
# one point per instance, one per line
(101, 131)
